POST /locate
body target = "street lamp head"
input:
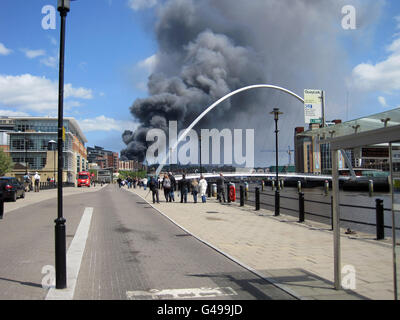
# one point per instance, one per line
(276, 113)
(63, 5)
(51, 145)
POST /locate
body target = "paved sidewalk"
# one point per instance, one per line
(35, 197)
(296, 256)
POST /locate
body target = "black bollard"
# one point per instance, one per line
(257, 199)
(227, 193)
(241, 196)
(380, 228)
(277, 203)
(301, 207)
(331, 213)
(209, 190)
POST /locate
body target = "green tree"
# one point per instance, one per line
(6, 164)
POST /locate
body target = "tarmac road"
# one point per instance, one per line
(132, 252)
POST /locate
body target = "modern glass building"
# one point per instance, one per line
(313, 151)
(32, 146)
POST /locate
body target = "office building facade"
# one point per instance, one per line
(31, 146)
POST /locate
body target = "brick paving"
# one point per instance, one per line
(298, 256)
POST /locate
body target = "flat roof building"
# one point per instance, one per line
(29, 145)
(313, 152)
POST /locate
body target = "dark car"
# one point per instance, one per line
(12, 188)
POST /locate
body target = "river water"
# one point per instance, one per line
(317, 207)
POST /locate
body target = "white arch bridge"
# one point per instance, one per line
(229, 95)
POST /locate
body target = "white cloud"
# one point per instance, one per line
(3, 50)
(53, 41)
(382, 101)
(103, 123)
(149, 64)
(383, 76)
(142, 70)
(31, 54)
(49, 61)
(39, 94)
(141, 4)
(81, 93)
(11, 113)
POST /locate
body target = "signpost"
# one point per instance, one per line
(314, 106)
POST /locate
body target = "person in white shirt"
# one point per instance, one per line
(37, 181)
(203, 189)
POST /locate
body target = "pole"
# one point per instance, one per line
(257, 199)
(336, 220)
(277, 204)
(301, 207)
(241, 196)
(54, 165)
(323, 109)
(380, 228)
(60, 239)
(201, 169)
(26, 157)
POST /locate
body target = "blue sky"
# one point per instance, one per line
(108, 59)
(104, 44)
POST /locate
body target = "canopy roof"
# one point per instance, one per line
(377, 121)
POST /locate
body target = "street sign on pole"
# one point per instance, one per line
(313, 101)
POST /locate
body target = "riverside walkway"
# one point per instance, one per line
(295, 256)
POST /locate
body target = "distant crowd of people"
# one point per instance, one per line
(169, 185)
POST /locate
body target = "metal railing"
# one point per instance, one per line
(53, 185)
(301, 212)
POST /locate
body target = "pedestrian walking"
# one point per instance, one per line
(119, 181)
(221, 188)
(153, 185)
(195, 190)
(37, 181)
(184, 187)
(27, 183)
(203, 189)
(144, 181)
(173, 187)
(166, 184)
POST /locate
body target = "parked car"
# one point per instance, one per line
(12, 188)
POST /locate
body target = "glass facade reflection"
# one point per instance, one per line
(29, 143)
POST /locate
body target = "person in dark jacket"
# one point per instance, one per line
(173, 187)
(221, 187)
(184, 187)
(153, 185)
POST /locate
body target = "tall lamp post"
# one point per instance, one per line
(60, 238)
(276, 114)
(26, 155)
(201, 168)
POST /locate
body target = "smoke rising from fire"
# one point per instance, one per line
(207, 49)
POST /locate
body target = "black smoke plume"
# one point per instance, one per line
(209, 48)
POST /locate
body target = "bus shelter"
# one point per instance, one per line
(382, 128)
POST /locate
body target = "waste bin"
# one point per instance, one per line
(214, 190)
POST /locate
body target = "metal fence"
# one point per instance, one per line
(53, 185)
(253, 196)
